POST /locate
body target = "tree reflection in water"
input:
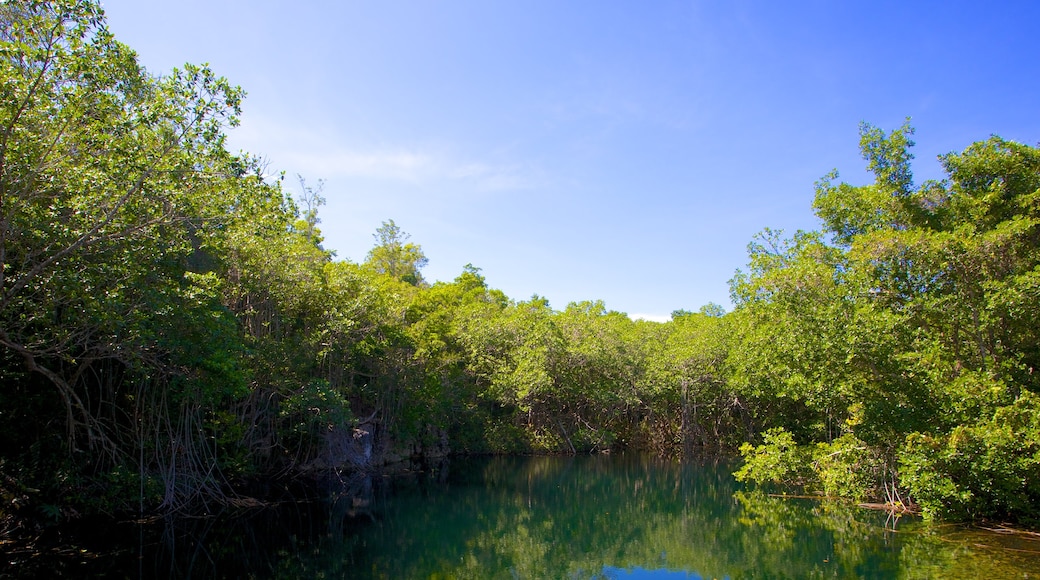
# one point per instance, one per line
(632, 516)
(621, 516)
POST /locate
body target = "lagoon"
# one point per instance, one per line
(600, 516)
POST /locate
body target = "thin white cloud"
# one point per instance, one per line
(322, 155)
(489, 177)
(389, 165)
(415, 167)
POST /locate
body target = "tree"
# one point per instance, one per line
(913, 332)
(312, 199)
(107, 179)
(394, 256)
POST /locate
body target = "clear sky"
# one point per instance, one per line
(582, 150)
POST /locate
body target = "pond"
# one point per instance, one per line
(620, 516)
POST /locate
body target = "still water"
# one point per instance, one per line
(622, 516)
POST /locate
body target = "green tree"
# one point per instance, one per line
(107, 177)
(394, 256)
(690, 404)
(312, 199)
(909, 333)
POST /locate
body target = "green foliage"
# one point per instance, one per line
(507, 437)
(847, 467)
(986, 470)
(915, 323)
(779, 460)
(394, 256)
(315, 409)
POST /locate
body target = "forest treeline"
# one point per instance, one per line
(171, 327)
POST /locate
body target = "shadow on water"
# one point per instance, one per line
(622, 516)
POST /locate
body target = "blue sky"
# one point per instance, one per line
(581, 150)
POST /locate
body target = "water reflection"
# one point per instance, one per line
(629, 517)
(553, 517)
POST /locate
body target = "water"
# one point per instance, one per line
(621, 516)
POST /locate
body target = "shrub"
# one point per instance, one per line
(778, 460)
(990, 470)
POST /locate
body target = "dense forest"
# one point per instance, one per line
(172, 329)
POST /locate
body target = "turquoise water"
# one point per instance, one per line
(639, 517)
(622, 516)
